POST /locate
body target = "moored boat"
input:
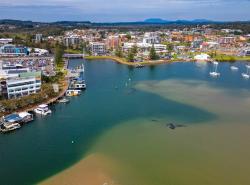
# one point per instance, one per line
(215, 73)
(246, 75)
(9, 126)
(43, 109)
(63, 100)
(234, 68)
(74, 92)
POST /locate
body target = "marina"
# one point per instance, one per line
(76, 85)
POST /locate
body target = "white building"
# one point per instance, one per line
(202, 57)
(39, 38)
(97, 48)
(151, 38)
(71, 40)
(38, 52)
(145, 46)
(4, 41)
(23, 85)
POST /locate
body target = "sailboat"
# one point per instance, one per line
(215, 73)
(234, 68)
(246, 75)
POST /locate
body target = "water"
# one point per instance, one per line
(124, 106)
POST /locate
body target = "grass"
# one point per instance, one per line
(73, 51)
(124, 61)
(226, 58)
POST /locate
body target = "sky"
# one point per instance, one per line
(124, 10)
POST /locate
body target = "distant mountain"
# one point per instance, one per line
(156, 20)
(162, 21)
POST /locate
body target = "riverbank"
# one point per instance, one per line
(219, 58)
(63, 88)
(123, 60)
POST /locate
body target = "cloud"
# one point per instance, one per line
(124, 10)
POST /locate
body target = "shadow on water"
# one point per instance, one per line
(51, 144)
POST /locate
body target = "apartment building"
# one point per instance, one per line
(97, 48)
(23, 85)
(12, 50)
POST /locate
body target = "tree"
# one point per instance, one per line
(118, 52)
(170, 47)
(152, 54)
(134, 50)
(131, 56)
(128, 36)
(59, 51)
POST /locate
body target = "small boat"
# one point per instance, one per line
(63, 100)
(72, 92)
(246, 75)
(215, 73)
(8, 127)
(43, 109)
(234, 68)
(139, 66)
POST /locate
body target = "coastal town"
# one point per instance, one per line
(34, 73)
(135, 92)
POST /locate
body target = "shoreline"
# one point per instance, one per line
(123, 61)
(48, 101)
(154, 62)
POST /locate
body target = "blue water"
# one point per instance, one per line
(44, 147)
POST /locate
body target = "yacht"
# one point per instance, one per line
(43, 109)
(215, 73)
(78, 85)
(246, 75)
(8, 127)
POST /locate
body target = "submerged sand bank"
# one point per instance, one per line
(90, 171)
(146, 152)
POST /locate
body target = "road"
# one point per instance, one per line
(27, 58)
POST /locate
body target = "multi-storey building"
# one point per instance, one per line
(151, 38)
(23, 85)
(39, 38)
(97, 48)
(113, 42)
(12, 50)
(71, 40)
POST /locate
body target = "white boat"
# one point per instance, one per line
(43, 109)
(234, 68)
(215, 73)
(78, 85)
(63, 100)
(26, 117)
(246, 75)
(8, 127)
